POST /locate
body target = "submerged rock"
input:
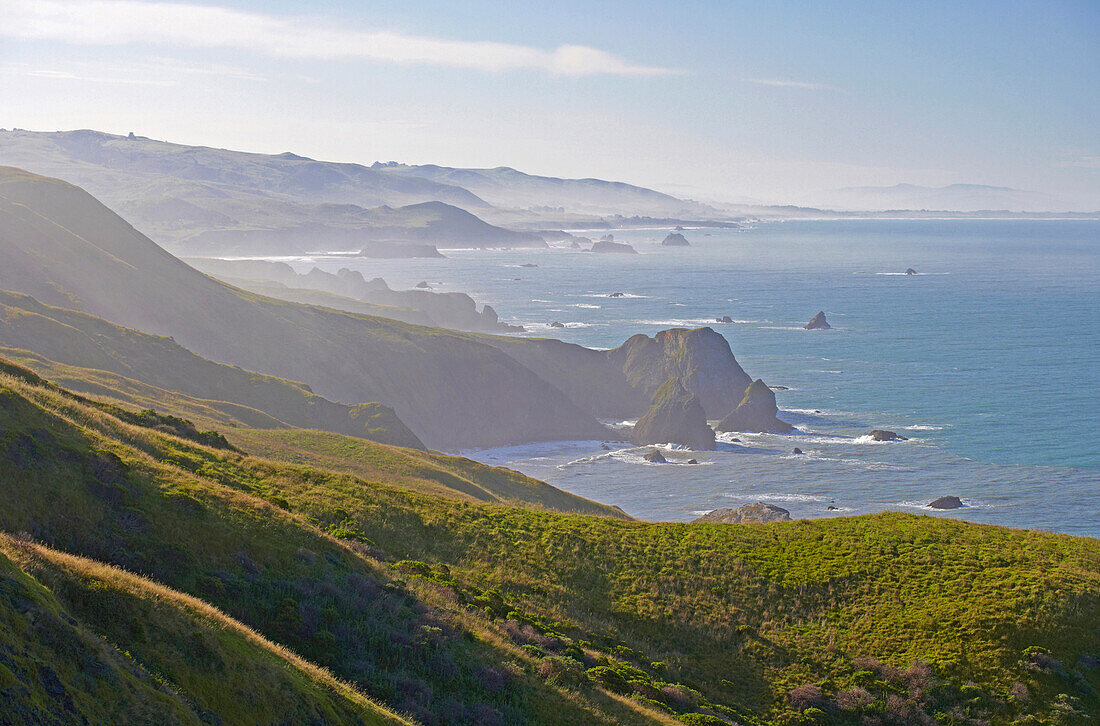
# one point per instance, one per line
(557, 324)
(675, 239)
(884, 435)
(676, 417)
(617, 294)
(693, 461)
(951, 502)
(756, 412)
(818, 322)
(755, 512)
(655, 457)
(528, 264)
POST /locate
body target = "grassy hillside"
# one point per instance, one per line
(536, 617)
(84, 341)
(84, 640)
(60, 245)
(214, 524)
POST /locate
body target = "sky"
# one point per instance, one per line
(726, 101)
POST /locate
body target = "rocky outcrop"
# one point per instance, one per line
(557, 324)
(675, 417)
(423, 285)
(724, 319)
(755, 512)
(675, 239)
(655, 457)
(756, 412)
(884, 435)
(946, 503)
(818, 322)
(700, 359)
(608, 247)
(910, 271)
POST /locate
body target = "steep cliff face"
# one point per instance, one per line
(701, 359)
(756, 412)
(676, 417)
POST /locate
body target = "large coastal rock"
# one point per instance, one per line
(755, 512)
(608, 247)
(676, 417)
(884, 435)
(818, 322)
(950, 502)
(675, 239)
(756, 412)
(700, 359)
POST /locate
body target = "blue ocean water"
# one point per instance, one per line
(987, 359)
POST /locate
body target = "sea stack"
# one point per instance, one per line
(755, 512)
(818, 322)
(675, 417)
(607, 246)
(756, 412)
(946, 503)
(675, 239)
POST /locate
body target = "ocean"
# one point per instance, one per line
(988, 360)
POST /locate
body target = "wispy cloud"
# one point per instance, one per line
(119, 22)
(780, 83)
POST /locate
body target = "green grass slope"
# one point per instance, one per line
(539, 617)
(60, 245)
(215, 524)
(89, 641)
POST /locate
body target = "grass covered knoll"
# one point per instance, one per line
(148, 654)
(868, 620)
(427, 472)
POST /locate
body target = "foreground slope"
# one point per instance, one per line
(869, 620)
(84, 481)
(60, 245)
(86, 641)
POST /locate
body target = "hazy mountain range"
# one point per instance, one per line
(954, 197)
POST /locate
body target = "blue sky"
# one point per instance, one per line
(720, 100)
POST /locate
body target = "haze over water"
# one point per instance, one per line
(987, 359)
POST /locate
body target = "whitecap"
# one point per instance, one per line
(920, 427)
(776, 496)
(617, 295)
(584, 305)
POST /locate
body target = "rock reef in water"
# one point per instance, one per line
(818, 322)
(756, 412)
(675, 239)
(946, 503)
(884, 435)
(755, 512)
(655, 457)
(675, 417)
